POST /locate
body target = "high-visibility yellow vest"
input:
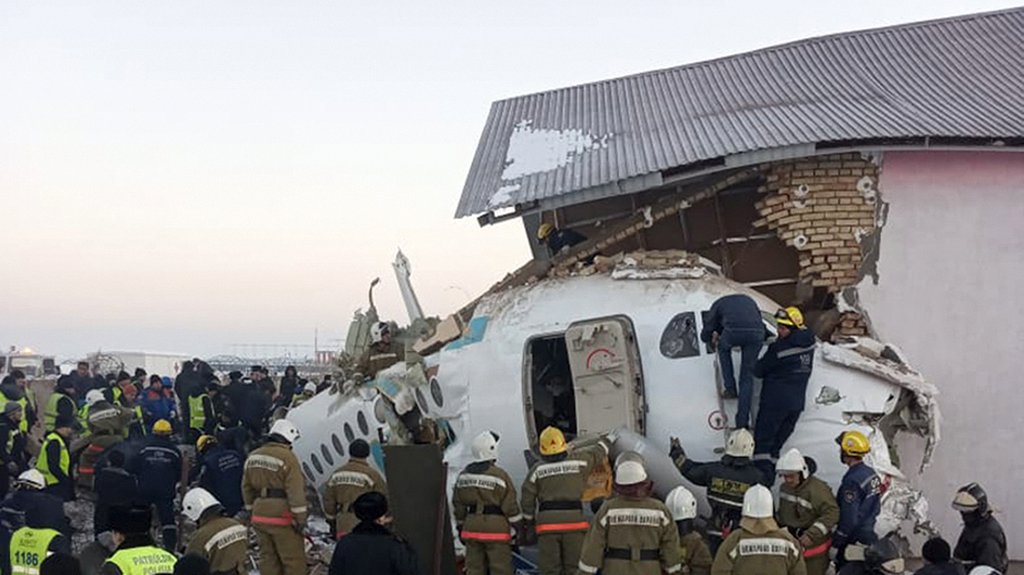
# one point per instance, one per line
(147, 560)
(83, 419)
(65, 459)
(196, 413)
(24, 402)
(50, 416)
(29, 547)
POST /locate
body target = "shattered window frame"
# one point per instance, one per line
(681, 337)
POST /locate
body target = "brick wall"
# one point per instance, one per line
(823, 207)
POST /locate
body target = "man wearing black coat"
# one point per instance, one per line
(938, 559)
(371, 547)
(982, 541)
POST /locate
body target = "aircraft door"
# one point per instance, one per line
(607, 379)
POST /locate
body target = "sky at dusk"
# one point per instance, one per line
(188, 176)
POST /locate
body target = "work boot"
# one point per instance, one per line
(729, 394)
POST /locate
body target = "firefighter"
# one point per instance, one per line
(106, 424)
(13, 456)
(31, 546)
(807, 509)
(726, 481)
(558, 240)
(60, 403)
(553, 492)
(136, 552)
(346, 484)
(859, 495)
(883, 557)
(784, 370)
(200, 412)
(693, 550)
(220, 540)
(275, 493)
(231, 434)
(632, 533)
(54, 460)
(219, 471)
(382, 353)
(485, 506)
(307, 393)
(759, 545)
(982, 541)
(158, 468)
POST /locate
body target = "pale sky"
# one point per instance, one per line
(184, 175)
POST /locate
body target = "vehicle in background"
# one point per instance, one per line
(168, 364)
(33, 365)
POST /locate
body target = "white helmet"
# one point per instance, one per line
(285, 429)
(196, 502)
(485, 446)
(377, 332)
(792, 462)
(681, 503)
(630, 473)
(93, 397)
(757, 503)
(740, 443)
(628, 456)
(32, 478)
(309, 388)
(984, 570)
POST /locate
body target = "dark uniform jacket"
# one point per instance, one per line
(732, 312)
(371, 548)
(484, 503)
(947, 568)
(220, 472)
(116, 487)
(784, 369)
(859, 500)
(12, 449)
(36, 509)
(564, 238)
(631, 536)
(65, 487)
(727, 481)
(982, 542)
(553, 489)
(158, 467)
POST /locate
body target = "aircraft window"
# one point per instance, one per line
(422, 400)
(435, 392)
(316, 463)
(363, 426)
(680, 338)
(380, 411)
(336, 441)
(327, 454)
(309, 473)
(348, 433)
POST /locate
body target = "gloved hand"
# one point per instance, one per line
(12, 469)
(676, 451)
(806, 541)
(613, 435)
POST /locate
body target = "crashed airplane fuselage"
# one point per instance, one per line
(595, 352)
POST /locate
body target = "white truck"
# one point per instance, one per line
(158, 363)
(33, 365)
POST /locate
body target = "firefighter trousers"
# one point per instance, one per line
(282, 550)
(488, 558)
(559, 553)
(818, 564)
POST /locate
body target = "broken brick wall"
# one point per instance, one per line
(824, 207)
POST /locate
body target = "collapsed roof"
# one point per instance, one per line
(952, 81)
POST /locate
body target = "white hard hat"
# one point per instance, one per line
(93, 397)
(757, 503)
(32, 478)
(792, 462)
(196, 502)
(681, 503)
(485, 446)
(377, 332)
(310, 388)
(630, 473)
(740, 443)
(628, 456)
(984, 570)
(285, 429)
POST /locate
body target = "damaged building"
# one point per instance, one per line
(872, 178)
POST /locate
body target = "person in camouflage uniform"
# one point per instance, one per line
(485, 507)
(807, 509)
(759, 546)
(693, 549)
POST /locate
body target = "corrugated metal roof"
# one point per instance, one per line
(961, 77)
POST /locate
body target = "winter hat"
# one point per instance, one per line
(192, 564)
(12, 407)
(130, 520)
(155, 379)
(65, 421)
(936, 551)
(60, 564)
(359, 449)
(370, 506)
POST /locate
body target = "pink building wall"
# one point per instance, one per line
(950, 293)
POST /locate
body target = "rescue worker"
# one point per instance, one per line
(222, 541)
(693, 550)
(807, 509)
(553, 493)
(114, 394)
(735, 321)
(115, 487)
(275, 493)
(859, 495)
(158, 468)
(982, 541)
(136, 553)
(219, 471)
(106, 424)
(759, 545)
(371, 547)
(307, 393)
(382, 353)
(15, 388)
(155, 404)
(632, 533)
(558, 240)
(200, 412)
(784, 370)
(484, 504)
(29, 506)
(726, 481)
(60, 404)
(54, 460)
(938, 559)
(231, 434)
(883, 557)
(346, 484)
(13, 457)
(31, 546)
